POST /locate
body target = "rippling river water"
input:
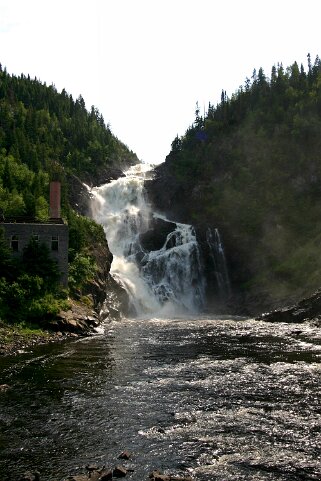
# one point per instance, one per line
(219, 399)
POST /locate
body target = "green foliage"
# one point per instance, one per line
(253, 169)
(81, 271)
(36, 261)
(46, 135)
(7, 263)
(83, 232)
(26, 300)
(45, 307)
(40, 125)
(41, 209)
(23, 330)
(30, 290)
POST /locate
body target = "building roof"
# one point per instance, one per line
(28, 220)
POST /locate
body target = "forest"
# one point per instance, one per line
(47, 135)
(251, 166)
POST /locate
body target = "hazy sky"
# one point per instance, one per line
(145, 63)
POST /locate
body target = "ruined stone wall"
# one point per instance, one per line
(55, 236)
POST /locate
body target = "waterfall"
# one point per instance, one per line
(166, 278)
(217, 255)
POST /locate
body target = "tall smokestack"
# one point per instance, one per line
(55, 200)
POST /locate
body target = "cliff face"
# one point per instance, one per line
(78, 195)
(175, 199)
(251, 168)
(267, 229)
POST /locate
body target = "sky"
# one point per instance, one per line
(145, 63)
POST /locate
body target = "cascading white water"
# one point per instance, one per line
(175, 271)
(219, 262)
(169, 280)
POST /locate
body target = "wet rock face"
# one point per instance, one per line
(117, 300)
(78, 195)
(97, 288)
(167, 195)
(105, 175)
(154, 239)
(78, 319)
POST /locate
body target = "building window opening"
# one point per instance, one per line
(35, 238)
(15, 243)
(54, 243)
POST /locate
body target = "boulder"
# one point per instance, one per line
(154, 239)
(95, 475)
(106, 475)
(154, 473)
(4, 387)
(124, 455)
(79, 319)
(35, 476)
(158, 476)
(119, 472)
(91, 467)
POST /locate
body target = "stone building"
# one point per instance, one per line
(53, 233)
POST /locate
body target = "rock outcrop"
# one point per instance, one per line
(78, 195)
(103, 176)
(79, 319)
(167, 194)
(308, 309)
(154, 239)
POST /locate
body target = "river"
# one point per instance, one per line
(216, 398)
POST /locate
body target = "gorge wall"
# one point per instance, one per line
(251, 168)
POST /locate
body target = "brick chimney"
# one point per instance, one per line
(55, 200)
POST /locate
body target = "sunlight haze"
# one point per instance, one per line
(144, 64)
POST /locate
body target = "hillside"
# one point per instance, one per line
(47, 135)
(252, 167)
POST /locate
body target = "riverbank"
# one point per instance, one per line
(81, 320)
(78, 320)
(14, 339)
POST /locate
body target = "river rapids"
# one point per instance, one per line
(219, 399)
